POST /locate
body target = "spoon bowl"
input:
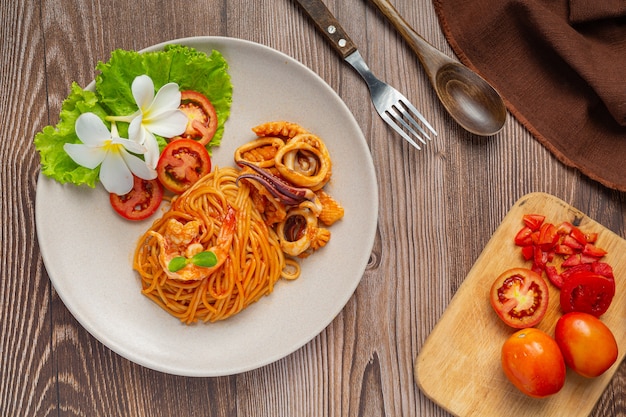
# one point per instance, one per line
(468, 98)
(471, 101)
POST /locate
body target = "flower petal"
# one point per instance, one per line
(152, 150)
(138, 166)
(143, 91)
(91, 130)
(115, 175)
(136, 132)
(130, 145)
(169, 124)
(167, 98)
(86, 156)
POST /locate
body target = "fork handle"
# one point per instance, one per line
(329, 26)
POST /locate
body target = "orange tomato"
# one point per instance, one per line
(533, 362)
(588, 345)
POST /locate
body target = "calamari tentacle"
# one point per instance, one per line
(285, 192)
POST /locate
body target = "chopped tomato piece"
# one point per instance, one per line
(564, 250)
(554, 276)
(578, 235)
(533, 221)
(548, 236)
(523, 237)
(592, 250)
(528, 252)
(572, 243)
(565, 228)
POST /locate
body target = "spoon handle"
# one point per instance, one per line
(430, 57)
(328, 26)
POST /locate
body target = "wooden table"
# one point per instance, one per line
(438, 209)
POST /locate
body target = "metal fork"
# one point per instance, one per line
(391, 105)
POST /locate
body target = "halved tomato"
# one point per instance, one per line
(588, 292)
(520, 297)
(182, 163)
(201, 115)
(141, 202)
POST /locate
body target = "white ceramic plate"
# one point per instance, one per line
(87, 249)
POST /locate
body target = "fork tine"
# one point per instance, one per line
(401, 116)
(386, 116)
(412, 108)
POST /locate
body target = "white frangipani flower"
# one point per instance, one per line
(157, 115)
(101, 147)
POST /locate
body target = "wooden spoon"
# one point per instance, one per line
(470, 100)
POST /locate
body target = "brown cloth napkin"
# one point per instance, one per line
(560, 66)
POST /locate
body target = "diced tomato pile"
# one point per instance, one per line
(542, 241)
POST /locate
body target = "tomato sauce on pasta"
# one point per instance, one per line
(253, 259)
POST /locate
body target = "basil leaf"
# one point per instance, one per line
(206, 259)
(176, 264)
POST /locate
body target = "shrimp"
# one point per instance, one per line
(183, 240)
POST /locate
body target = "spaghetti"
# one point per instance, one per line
(216, 214)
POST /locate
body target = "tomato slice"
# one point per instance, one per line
(520, 297)
(182, 163)
(587, 292)
(141, 202)
(202, 118)
(533, 221)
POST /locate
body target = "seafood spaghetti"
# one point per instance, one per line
(228, 239)
(215, 213)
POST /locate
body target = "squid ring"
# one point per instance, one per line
(260, 152)
(297, 231)
(304, 161)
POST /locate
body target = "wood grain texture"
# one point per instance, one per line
(438, 209)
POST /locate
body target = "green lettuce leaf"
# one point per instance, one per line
(189, 68)
(55, 162)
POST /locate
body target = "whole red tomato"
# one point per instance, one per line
(520, 297)
(588, 345)
(533, 362)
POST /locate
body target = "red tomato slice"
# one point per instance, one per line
(141, 202)
(533, 221)
(587, 292)
(182, 163)
(548, 237)
(523, 237)
(520, 297)
(202, 118)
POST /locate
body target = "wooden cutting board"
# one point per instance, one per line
(458, 366)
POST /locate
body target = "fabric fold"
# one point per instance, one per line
(565, 83)
(581, 11)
